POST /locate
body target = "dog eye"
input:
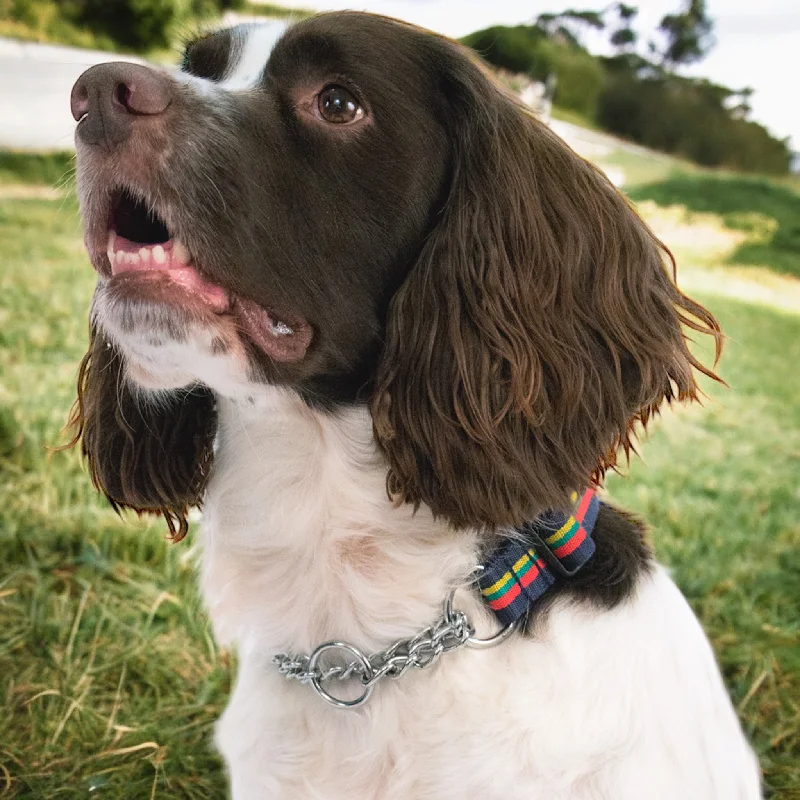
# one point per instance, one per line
(338, 106)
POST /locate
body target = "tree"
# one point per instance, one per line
(569, 25)
(635, 94)
(739, 103)
(623, 36)
(689, 35)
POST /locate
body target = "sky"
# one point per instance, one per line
(758, 41)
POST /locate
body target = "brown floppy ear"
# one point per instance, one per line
(146, 451)
(539, 324)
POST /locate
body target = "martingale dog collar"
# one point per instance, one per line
(522, 570)
(510, 581)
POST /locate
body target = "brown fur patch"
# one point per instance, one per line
(151, 456)
(539, 326)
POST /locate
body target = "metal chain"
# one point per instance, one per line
(451, 631)
(296, 667)
(419, 651)
(423, 650)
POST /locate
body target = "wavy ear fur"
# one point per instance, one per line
(149, 452)
(539, 324)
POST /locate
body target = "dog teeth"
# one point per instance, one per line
(180, 253)
(149, 256)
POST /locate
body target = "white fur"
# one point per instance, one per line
(253, 44)
(157, 360)
(258, 41)
(302, 545)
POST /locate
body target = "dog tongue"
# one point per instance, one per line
(284, 342)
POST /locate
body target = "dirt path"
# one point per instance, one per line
(35, 82)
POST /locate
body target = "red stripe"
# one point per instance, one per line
(530, 576)
(578, 538)
(506, 600)
(584, 505)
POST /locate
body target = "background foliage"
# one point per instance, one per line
(129, 24)
(690, 118)
(528, 49)
(642, 98)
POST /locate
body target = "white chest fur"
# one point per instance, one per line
(301, 545)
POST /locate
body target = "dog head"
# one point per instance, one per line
(353, 209)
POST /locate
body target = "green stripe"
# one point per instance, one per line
(531, 560)
(502, 590)
(525, 567)
(566, 536)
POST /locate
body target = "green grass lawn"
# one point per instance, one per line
(276, 11)
(109, 678)
(573, 117)
(767, 211)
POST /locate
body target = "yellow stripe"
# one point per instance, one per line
(529, 556)
(498, 585)
(565, 527)
(521, 563)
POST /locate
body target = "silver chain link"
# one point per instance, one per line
(451, 631)
(296, 667)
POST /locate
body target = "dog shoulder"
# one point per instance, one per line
(636, 690)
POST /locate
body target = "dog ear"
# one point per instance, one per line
(537, 326)
(151, 452)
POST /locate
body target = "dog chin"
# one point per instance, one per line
(142, 378)
(164, 350)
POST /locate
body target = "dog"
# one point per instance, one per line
(391, 332)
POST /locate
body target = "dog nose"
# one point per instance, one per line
(107, 99)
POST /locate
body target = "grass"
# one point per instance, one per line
(43, 169)
(275, 11)
(768, 212)
(46, 23)
(628, 164)
(644, 167)
(719, 486)
(573, 117)
(109, 678)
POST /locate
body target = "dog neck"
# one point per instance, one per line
(302, 543)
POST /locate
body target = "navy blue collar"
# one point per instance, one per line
(525, 567)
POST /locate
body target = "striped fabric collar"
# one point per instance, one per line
(524, 568)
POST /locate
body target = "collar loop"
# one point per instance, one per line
(521, 570)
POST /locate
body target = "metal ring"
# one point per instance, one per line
(473, 641)
(317, 684)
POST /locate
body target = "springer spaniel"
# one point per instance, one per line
(387, 327)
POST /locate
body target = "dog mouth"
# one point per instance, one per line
(139, 242)
(148, 260)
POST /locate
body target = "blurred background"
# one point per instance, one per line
(109, 678)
